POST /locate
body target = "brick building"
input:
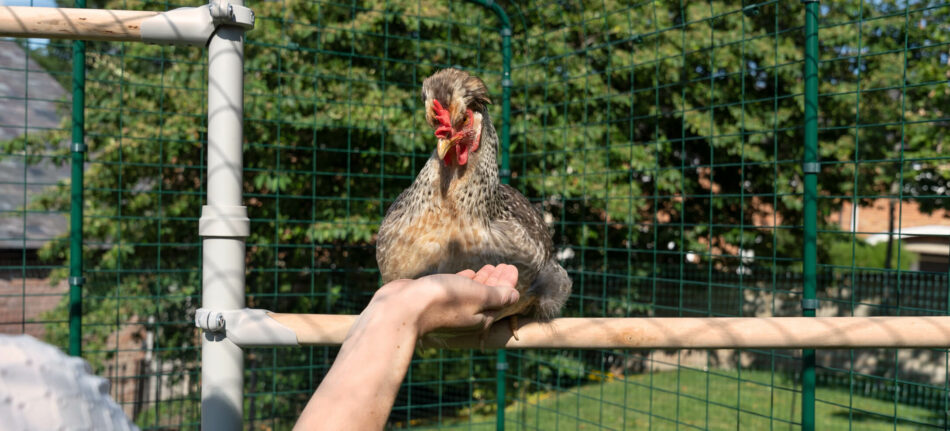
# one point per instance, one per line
(927, 235)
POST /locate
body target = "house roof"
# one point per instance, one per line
(32, 101)
(930, 239)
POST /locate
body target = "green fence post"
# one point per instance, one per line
(506, 104)
(78, 149)
(501, 360)
(501, 365)
(506, 83)
(810, 168)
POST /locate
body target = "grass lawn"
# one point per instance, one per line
(759, 402)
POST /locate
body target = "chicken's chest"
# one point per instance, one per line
(443, 238)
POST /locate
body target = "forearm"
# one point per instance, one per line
(359, 390)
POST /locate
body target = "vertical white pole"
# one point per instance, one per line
(224, 226)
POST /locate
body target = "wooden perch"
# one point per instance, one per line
(65, 23)
(668, 333)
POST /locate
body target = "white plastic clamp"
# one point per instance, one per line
(246, 327)
(211, 321)
(223, 12)
(194, 25)
(224, 221)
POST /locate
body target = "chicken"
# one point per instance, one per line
(457, 215)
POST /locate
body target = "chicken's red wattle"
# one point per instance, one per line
(463, 144)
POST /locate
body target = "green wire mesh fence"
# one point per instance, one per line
(662, 141)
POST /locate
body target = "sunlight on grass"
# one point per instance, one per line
(694, 399)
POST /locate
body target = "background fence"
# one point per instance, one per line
(663, 142)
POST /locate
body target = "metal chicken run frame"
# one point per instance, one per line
(224, 225)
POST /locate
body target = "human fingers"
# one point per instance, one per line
(498, 294)
(456, 302)
(509, 276)
(490, 315)
(455, 290)
(482, 275)
(468, 273)
(502, 275)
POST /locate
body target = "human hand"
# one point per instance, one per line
(359, 390)
(464, 301)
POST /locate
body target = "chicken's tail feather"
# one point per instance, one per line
(552, 289)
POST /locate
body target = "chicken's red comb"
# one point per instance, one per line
(444, 131)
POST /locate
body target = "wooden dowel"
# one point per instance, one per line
(668, 333)
(317, 329)
(66, 23)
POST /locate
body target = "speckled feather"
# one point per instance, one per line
(461, 217)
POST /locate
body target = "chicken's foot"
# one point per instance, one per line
(513, 324)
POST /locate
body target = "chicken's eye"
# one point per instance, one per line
(468, 118)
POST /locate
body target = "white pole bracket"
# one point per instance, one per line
(194, 25)
(247, 327)
(224, 221)
(225, 13)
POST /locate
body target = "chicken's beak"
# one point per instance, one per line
(443, 147)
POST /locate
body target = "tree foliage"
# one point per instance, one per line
(647, 132)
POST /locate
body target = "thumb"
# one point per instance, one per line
(500, 296)
(504, 278)
(508, 295)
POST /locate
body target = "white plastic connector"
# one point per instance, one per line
(247, 327)
(195, 25)
(208, 320)
(224, 222)
(189, 25)
(224, 12)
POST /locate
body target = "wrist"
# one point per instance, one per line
(393, 309)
